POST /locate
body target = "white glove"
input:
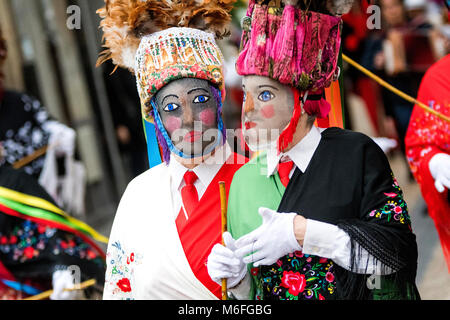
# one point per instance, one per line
(222, 263)
(439, 166)
(63, 280)
(271, 241)
(62, 138)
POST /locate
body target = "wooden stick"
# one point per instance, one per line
(47, 294)
(223, 207)
(26, 160)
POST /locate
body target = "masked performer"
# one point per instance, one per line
(428, 149)
(169, 217)
(320, 214)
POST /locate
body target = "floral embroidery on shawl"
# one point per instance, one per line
(395, 207)
(29, 239)
(120, 272)
(296, 276)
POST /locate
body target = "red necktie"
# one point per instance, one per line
(189, 193)
(284, 169)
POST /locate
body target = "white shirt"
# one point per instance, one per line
(205, 172)
(321, 239)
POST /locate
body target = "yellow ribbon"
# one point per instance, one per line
(44, 204)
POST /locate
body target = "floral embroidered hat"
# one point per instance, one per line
(173, 54)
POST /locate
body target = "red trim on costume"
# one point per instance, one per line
(203, 229)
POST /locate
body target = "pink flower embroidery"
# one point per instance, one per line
(391, 194)
(195, 68)
(398, 209)
(294, 282)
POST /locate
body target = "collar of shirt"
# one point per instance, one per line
(300, 154)
(205, 172)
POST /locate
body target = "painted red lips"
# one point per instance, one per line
(250, 124)
(193, 136)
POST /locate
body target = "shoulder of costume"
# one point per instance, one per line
(351, 140)
(345, 135)
(151, 176)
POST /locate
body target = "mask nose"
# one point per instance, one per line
(188, 115)
(249, 104)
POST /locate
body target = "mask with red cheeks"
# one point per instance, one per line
(267, 109)
(188, 111)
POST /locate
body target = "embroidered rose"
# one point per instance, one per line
(398, 209)
(28, 252)
(41, 228)
(91, 254)
(124, 285)
(13, 239)
(329, 277)
(294, 282)
(64, 244)
(254, 271)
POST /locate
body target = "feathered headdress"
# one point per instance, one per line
(126, 22)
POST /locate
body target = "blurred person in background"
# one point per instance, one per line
(362, 94)
(124, 104)
(28, 130)
(400, 53)
(428, 147)
(36, 247)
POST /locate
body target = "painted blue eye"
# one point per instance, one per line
(171, 107)
(201, 99)
(266, 96)
(245, 96)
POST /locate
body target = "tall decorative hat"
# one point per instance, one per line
(297, 43)
(162, 41)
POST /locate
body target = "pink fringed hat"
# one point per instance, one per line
(289, 42)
